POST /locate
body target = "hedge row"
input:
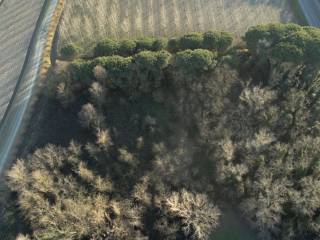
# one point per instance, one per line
(217, 41)
(146, 65)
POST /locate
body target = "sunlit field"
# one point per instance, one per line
(17, 23)
(86, 22)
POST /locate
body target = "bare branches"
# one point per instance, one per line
(199, 216)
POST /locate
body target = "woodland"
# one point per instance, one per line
(146, 138)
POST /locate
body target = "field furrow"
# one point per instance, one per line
(85, 22)
(18, 20)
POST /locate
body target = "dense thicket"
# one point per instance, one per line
(170, 134)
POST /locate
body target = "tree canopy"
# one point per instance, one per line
(293, 42)
(154, 141)
(195, 61)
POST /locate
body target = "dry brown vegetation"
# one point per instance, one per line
(86, 22)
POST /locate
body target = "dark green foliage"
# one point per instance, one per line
(81, 70)
(159, 44)
(119, 70)
(70, 51)
(107, 47)
(152, 60)
(173, 45)
(254, 34)
(145, 44)
(313, 50)
(127, 47)
(285, 52)
(218, 41)
(194, 62)
(150, 67)
(272, 33)
(301, 43)
(191, 41)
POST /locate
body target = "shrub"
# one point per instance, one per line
(285, 52)
(145, 44)
(70, 51)
(219, 41)
(64, 94)
(107, 47)
(97, 93)
(288, 42)
(119, 69)
(152, 60)
(195, 61)
(163, 58)
(145, 60)
(299, 39)
(150, 66)
(271, 33)
(89, 116)
(254, 34)
(173, 45)
(81, 70)
(191, 41)
(313, 50)
(159, 44)
(100, 73)
(127, 47)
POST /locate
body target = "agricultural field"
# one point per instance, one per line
(85, 22)
(18, 20)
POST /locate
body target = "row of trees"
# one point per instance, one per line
(142, 72)
(212, 40)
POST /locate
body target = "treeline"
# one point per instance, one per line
(212, 40)
(144, 71)
(175, 126)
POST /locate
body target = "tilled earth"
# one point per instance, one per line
(17, 22)
(86, 22)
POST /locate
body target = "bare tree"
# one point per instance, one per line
(22, 237)
(98, 93)
(89, 117)
(198, 215)
(100, 73)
